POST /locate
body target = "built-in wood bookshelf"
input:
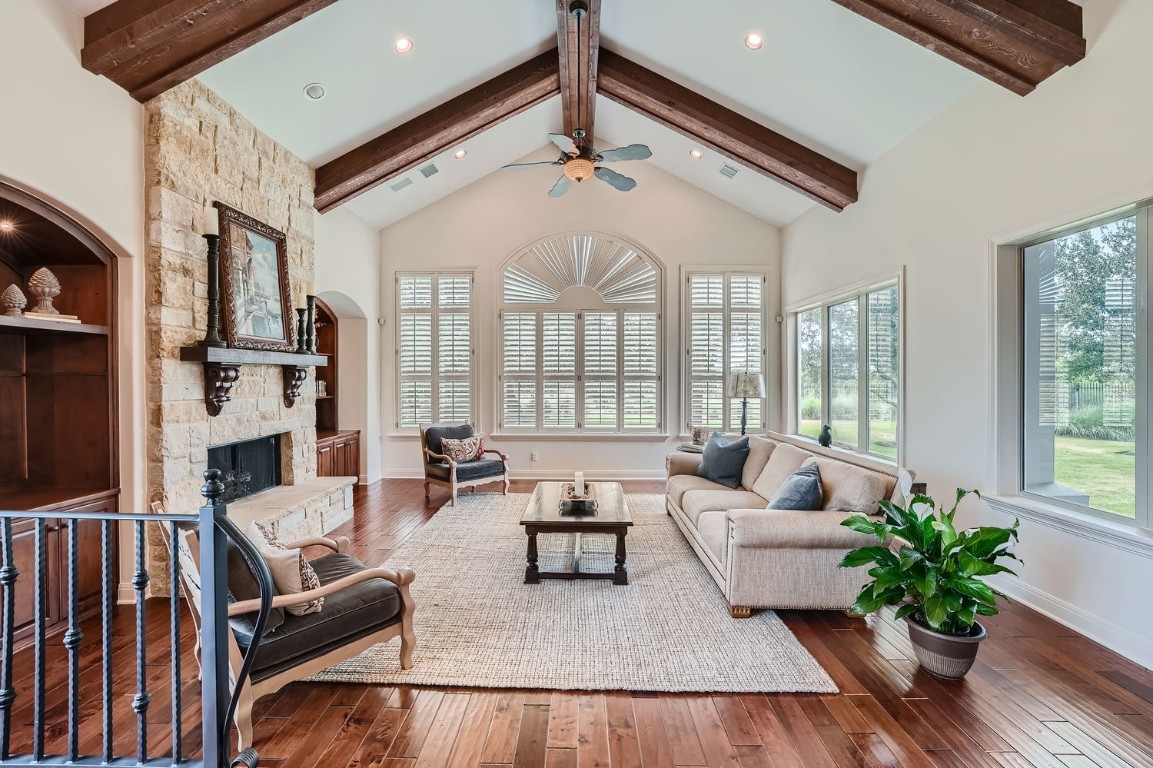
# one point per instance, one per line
(337, 450)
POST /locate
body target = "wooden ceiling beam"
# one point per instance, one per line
(149, 46)
(441, 128)
(578, 81)
(1014, 43)
(735, 136)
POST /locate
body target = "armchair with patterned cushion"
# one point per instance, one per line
(458, 472)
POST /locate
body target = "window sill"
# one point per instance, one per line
(837, 452)
(638, 437)
(1113, 533)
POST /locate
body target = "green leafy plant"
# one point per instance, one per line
(935, 574)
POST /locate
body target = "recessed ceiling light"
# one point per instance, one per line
(754, 41)
(695, 154)
(314, 91)
(7, 226)
(460, 154)
(403, 45)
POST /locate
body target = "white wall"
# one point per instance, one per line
(348, 279)
(482, 225)
(992, 167)
(78, 139)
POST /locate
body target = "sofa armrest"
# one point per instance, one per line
(681, 463)
(780, 528)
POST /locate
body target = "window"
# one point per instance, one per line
(847, 367)
(725, 320)
(580, 327)
(433, 348)
(1084, 371)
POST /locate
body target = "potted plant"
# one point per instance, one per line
(934, 575)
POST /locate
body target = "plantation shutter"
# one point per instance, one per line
(519, 379)
(558, 366)
(434, 348)
(641, 370)
(599, 378)
(725, 335)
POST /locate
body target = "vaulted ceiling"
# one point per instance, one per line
(844, 80)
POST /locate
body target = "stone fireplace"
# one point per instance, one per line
(199, 149)
(247, 467)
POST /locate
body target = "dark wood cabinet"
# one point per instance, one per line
(338, 453)
(57, 403)
(337, 450)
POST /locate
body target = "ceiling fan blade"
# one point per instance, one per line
(560, 187)
(565, 143)
(631, 152)
(619, 181)
(516, 166)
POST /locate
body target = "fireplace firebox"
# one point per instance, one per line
(247, 467)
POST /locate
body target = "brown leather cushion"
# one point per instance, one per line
(242, 585)
(469, 470)
(347, 615)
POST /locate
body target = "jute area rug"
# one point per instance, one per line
(479, 625)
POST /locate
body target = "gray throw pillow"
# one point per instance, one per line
(800, 490)
(722, 461)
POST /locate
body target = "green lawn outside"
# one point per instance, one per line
(1104, 469)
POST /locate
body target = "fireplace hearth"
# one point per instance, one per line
(247, 467)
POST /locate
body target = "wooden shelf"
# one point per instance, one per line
(34, 499)
(32, 325)
(222, 369)
(325, 397)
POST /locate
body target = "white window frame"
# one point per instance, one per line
(1009, 382)
(434, 311)
(860, 291)
(725, 272)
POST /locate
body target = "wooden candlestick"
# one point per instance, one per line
(212, 332)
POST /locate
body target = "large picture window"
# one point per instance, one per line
(847, 368)
(434, 348)
(725, 320)
(1085, 380)
(581, 332)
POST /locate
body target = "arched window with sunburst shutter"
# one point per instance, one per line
(581, 337)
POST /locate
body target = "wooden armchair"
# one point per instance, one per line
(363, 606)
(442, 470)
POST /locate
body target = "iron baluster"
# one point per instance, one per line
(107, 604)
(40, 608)
(8, 576)
(177, 683)
(142, 698)
(213, 623)
(72, 640)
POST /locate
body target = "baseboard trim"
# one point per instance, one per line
(548, 474)
(1116, 638)
(126, 594)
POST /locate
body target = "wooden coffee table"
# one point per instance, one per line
(543, 516)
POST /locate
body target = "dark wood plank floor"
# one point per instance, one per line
(1040, 695)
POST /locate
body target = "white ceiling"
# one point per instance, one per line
(826, 77)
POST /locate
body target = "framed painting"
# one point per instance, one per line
(254, 279)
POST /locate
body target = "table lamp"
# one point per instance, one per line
(744, 386)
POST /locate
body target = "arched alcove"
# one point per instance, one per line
(347, 406)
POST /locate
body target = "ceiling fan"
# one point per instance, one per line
(578, 163)
(578, 160)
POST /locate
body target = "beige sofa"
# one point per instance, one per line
(772, 558)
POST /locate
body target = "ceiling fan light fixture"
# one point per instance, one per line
(578, 169)
(754, 42)
(403, 45)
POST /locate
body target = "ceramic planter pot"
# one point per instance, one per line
(941, 655)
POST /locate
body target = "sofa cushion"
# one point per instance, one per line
(760, 448)
(713, 529)
(722, 461)
(470, 470)
(800, 490)
(243, 586)
(349, 614)
(433, 435)
(696, 502)
(678, 485)
(851, 488)
(784, 461)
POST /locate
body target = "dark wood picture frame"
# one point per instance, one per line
(254, 281)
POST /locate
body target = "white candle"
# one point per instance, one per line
(210, 221)
(579, 484)
(311, 290)
(302, 298)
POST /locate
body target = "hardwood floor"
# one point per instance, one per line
(1040, 695)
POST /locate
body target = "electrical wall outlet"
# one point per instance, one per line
(535, 456)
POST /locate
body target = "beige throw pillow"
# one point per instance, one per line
(291, 571)
(468, 449)
(852, 488)
(760, 449)
(784, 461)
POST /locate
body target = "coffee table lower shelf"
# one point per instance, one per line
(533, 574)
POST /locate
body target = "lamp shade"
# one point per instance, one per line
(747, 385)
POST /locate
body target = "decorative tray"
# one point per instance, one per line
(571, 504)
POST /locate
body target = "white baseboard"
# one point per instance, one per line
(1116, 638)
(126, 594)
(548, 474)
